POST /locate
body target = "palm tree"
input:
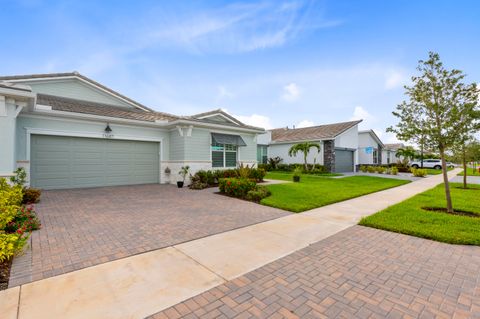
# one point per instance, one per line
(407, 153)
(305, 149)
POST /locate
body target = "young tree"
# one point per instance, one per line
(305, 149)
(407, 153)
(438, 104)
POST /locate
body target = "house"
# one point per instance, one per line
(389, 154)
(338, 145)
(370, 148)
(70, 131)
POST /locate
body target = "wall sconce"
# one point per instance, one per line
(108, 130)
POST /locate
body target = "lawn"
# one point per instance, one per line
(432, 171)
(470, 172)
(315, 191)
(409, 218)
(287, 176)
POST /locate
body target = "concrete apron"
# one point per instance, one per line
(144, 284)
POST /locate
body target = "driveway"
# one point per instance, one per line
(86, 227)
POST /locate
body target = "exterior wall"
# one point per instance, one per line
(393, 158)
(265, 138)
(68, 127)
(281, 150)
(7, 136)
(350, 139)
(75, 89)
(329, 155)
(365, 140)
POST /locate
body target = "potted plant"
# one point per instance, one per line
(183, 172)
(297, 172)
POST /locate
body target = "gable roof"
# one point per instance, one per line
(73, 74)
(374, 135)
(86, 107)
(320, 132)
(217, 112)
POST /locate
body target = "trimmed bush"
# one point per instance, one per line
(11, 244)
(25, 220)
(31, 195)
(257, 194)
(363, 168)
(418, 172)
(371, 169)
(394, 170)
(380, 169)
(236, 187)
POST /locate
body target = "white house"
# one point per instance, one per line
(370, 148)
(338, 145)
(389, 154)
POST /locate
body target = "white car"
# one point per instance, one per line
(429, 163)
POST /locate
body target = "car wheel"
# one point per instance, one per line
(437, 167)
(415, 166)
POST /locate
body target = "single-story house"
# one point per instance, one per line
(338, 145)
(70, 131)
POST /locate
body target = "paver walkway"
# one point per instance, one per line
(138, 286)
(358, 273)
(87, 227)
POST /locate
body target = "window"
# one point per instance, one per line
(375, 156)
(224, 155)
(388, 157)
(262, 156)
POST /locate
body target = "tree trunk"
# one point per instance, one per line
(305, 160)
(464, 158)
(421, 155)
(445, 181)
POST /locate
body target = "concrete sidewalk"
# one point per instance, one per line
(144, 284)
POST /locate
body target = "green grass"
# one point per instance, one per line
(287, 176)
(409, 218)
(432, 171)
(314, 191)
(470, 172)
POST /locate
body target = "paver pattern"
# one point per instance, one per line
(85, 227)
(358, 273)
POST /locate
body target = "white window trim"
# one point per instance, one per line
(224, 157)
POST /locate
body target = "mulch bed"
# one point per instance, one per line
(455, 212)
(5, 273)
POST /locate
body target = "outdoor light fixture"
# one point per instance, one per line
(108, 130)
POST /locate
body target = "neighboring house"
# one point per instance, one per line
(370, 148)
(389, 154)
(338, 141)
(69, 131)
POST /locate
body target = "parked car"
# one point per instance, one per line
(429, 163)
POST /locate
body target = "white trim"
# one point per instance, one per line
(83, 80)
(180, 131)
(43, 107)
(215, 125)
(18, 109)
(189, 131)
(3, 106)
(222, 115)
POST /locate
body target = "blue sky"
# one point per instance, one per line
(270, 63)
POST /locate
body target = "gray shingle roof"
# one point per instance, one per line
(319, 132)
(78, 106)
(394, 146)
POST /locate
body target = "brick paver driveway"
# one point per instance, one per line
(85, 227)
(357, 273)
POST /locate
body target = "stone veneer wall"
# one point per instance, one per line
(379, 154)
(329, 155)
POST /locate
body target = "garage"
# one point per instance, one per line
(344, 160)
(73, 162)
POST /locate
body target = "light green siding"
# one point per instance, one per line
(81, 127)
(177, 146)
(7, 137)
(197, 146)
(248, 153)
(72, 162)
(75, 89)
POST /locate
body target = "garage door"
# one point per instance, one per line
(73, 162)
(343, 161)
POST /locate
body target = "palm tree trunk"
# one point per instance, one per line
(445, 181)
(305, 160)
(464, 158)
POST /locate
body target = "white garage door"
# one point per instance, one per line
(73, 162)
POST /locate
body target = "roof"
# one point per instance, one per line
(394, 146)
(17, 87)
(79, 106)
(203, 117)
(320, 132)
(71, 74)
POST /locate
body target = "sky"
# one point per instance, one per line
(269, 63)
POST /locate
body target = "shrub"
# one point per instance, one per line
(10, 200)
(31, 195)
(266, 167)
(257, 174)
(20, 177)
(243, 171)
(364, 168)
(274, 161)
(394, 170)
(371, 169)
(258, 193)
(418, 172)
(236, 187)
(25, 220)
(380, 169)
(11, 244)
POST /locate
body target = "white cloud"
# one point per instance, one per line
(362, 114)
(304, 123)
(254, 120)
(291, 92)
(394, 79)
(223, 93)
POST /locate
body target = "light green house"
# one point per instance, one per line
(69, 131)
